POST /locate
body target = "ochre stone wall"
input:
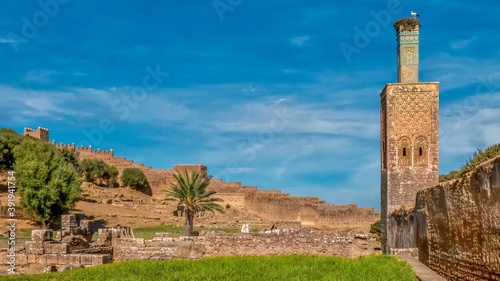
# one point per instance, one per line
(409, 148)
(271, 205)
(298, 242)
(458, 225)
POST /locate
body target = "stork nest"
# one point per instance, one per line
(406, 24)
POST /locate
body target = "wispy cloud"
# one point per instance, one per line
(300, 40)
(461, 44)
(7, 40)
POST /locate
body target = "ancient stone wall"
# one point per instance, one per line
(161, 247)
(271, 205)
(43, 254)
(458, 225)
(289, 242)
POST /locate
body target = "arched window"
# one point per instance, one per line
(422, 157)
(404, 152)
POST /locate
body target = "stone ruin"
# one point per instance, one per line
(72, 246)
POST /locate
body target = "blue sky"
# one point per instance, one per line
(259, 91)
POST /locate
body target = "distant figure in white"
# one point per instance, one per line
(414, 15)
(244, 228)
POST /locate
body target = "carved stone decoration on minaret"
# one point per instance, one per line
(409, 137)
(407, 36)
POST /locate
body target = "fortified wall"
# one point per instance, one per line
(455, 226)
(271, 205)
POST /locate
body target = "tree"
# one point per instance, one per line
(9, 139)
(134, 178)
(98, 172)
(71, 156)
(190, 190)
(47, 184)
(110, 176)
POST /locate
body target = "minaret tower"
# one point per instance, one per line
(409, 134)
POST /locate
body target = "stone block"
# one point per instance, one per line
(86, 259)
(163, 234)
(21, 259)
(63, 259)
(34, 248)
(74, 259)
(62, 248)
(52, 259)
(128, 242)
(197, 251)
(100, 259)
(31, 258)
(40, 235)
(41, 259)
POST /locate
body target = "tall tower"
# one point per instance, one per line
(39, 133)
(408, 134)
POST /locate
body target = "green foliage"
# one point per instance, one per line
(47, 184)
(375, 229)
(228, 206)
(477, 158)
(9, 139)
(190, 190)
(110, 176)
(450, 176)
(98, 172)
(71, 156)
(134, 178)
(242, 268)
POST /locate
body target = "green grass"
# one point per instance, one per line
(149, 232)
(22, 235)
(243, 268)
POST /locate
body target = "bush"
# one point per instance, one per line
(134, 178)
(98, 172)
(375, 229)
(9, 139)
(477, 158)
(47, 184)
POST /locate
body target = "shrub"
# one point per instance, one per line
(134, 178)
(375, 229)
(98, 172)
(9, 139)
(477, 158)
(47, 184)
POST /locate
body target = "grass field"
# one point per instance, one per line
(149, 232)
(22, 235)
(242, 269)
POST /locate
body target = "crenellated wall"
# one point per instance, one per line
(271, 205)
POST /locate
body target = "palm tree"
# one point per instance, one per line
(190, 190)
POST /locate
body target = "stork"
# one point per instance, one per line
(414, 15)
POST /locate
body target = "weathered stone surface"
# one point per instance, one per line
(100, 259)
(459, 231)
(40, 235)
(62, 248)
(285, 243)
(34, 248)
(409, 149)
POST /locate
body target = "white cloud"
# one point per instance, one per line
(7, 40)
(42, 76)
(461, 44)
(300, 40)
